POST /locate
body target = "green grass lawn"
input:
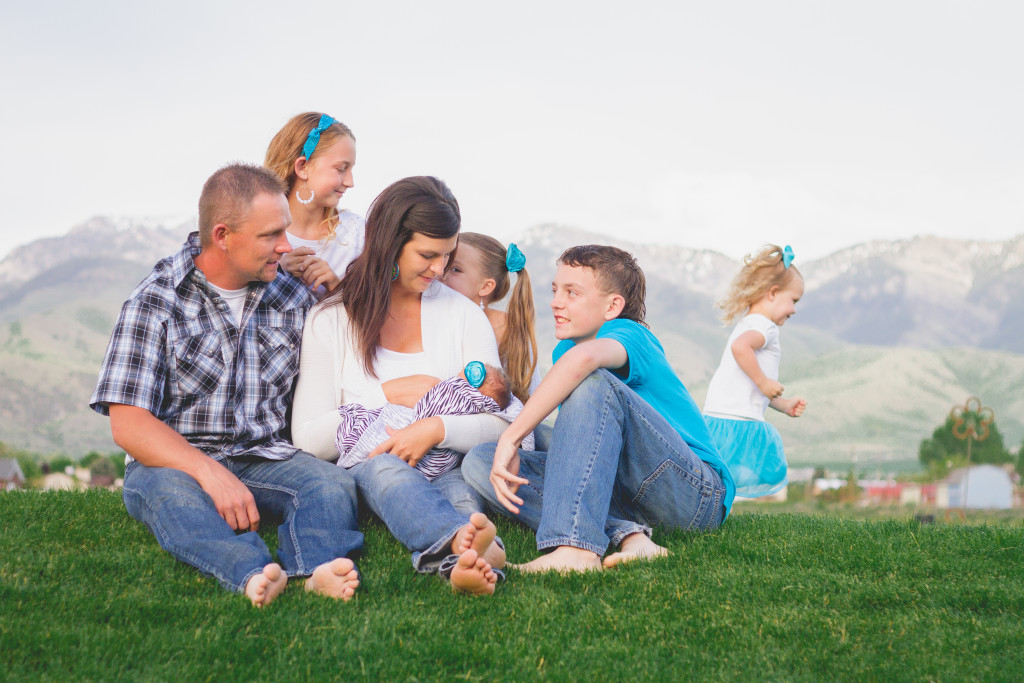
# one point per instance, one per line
(86, 593)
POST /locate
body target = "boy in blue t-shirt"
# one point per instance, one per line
(629, 449)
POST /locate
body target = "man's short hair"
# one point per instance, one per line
(228, 195)
(616, 271)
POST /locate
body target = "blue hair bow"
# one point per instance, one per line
(787, 256)
(475, 373)
(514, 259)
(314, 135)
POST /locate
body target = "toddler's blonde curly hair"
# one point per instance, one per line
(760, 272)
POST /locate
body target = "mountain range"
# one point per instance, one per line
(888, 337)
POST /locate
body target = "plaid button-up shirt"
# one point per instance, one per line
(177, 352)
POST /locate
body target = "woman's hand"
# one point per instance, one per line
(412, 443)
(505, 474)
(406, 391)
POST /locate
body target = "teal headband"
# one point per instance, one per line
(514, 259)
(475, 373)
(314, 136)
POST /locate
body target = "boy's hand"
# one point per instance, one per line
(505, 475)
(770, 388)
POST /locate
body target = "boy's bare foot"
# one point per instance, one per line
(335, 579)
(267, 585)
(473, 574)
(635, 547)
(563, 559)
(479, 535)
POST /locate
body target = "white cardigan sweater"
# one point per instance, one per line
(331, 371)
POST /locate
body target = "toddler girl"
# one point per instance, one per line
(314, 155)
(765, 293)
(481, 273)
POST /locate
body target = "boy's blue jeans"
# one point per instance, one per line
(614, 467)
(317, 501)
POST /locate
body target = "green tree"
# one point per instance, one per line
(60, 463)
(117, 459)
(89, 458)
(103, 467)
(944, 450)
(1020, 459)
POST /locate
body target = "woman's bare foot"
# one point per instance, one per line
(563, 559)
(635, 547)
(479, 535)
(262, 588)
(335, 579)
(473, 574)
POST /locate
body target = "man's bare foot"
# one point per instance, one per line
(479, 535)
(262, 588)
(635, 547)
(335, 579)
(473, 574)
(563, 559)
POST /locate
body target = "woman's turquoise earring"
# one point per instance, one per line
(394, 272)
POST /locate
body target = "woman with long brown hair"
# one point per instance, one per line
(387, 336)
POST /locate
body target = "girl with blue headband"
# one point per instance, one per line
(763, 295)
(314, 155)
(481, 272)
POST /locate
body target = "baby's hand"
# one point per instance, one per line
(771, 388)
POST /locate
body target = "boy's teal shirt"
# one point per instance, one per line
(654, 380)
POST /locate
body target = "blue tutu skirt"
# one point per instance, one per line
(752, 449)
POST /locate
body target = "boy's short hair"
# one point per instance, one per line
(616, 271)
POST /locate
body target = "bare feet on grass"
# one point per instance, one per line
(267, 585)
(479, 535)
(473, 574)
(563, 559)
(635, 547)
(335, 579)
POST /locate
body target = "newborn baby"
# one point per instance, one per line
(478, 389)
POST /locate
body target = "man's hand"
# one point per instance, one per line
(233, 500)
(412, 443)
(505, 475)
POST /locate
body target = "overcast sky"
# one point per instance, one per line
(706, 124)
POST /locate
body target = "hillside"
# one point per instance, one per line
(874, 400)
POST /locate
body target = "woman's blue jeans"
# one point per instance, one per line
(614, 467)
(315, 499)
(423, 515)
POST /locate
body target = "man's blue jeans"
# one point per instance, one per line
(614, 467)
(316, 500)
(424, 516)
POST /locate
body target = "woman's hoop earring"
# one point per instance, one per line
(394, 272)
(305, 201)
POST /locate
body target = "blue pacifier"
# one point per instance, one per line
(475, 373)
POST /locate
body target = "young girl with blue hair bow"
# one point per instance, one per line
(481, 272)
(314, 154)
(764, 293)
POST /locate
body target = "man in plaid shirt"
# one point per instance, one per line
(197, 380)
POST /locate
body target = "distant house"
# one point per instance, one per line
(11, 476)
(981, 486)
(59, 481)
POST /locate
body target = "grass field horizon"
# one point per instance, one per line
(86, 593)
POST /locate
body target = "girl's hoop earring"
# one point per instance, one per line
(305, 201)
(394, 272)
